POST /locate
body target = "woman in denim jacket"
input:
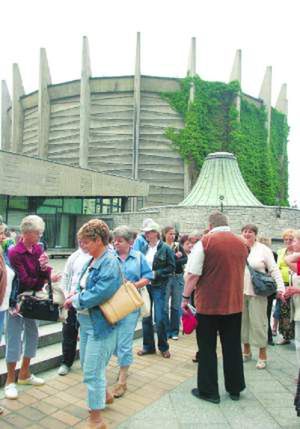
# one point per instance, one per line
(99, 281)
(161, 258)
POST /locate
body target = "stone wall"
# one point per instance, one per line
(187, 219)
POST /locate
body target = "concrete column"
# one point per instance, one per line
(5, 119)
(187, 185)
(282, 101)
(136, 115)
(236, 75)
(266, 95)
(85, 99)
(17, 111)
(43, 105)
(136, 108)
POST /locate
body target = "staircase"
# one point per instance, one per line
(49, 354)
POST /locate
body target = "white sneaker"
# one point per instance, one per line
(32, 380)
(63, 369)
(11, 391)
(175, 337)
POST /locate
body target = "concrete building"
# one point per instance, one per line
(110, 124)
(97, 126)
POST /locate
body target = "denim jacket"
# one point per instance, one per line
(163, 264)
(103, 281)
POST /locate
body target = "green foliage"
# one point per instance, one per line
(212, 124)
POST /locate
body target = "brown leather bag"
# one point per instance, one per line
(126, 300)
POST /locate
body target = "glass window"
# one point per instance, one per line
(3, 206)
(20, 203)
(56, 202)
(72, 205)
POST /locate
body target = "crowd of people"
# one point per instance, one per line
(210, 270)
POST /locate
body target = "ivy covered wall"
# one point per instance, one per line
(212, 124)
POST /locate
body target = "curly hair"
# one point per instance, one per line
(93, 229)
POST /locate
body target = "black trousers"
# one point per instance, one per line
(229, 328)
(269, 311)
(70, 335)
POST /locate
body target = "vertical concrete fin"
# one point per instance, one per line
(266, 95)
(5, 118)
(85, 95)
(136, 107)
(236, 71)
(236, 75)
(17, 111)
(282, 101)
(43, 105)
(191, 73)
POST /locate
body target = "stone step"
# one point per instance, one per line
(49, 333)
(49, 353)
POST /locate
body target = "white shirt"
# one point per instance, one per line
(261, 259)
(73, 268)
(196, 258)
(10, 276)
(151, 253)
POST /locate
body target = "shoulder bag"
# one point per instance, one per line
(263, 284)
(126, 300)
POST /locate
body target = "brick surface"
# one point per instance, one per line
(61, 402)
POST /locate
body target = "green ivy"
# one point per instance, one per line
(212, 124)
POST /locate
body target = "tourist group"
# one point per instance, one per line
(233, 286)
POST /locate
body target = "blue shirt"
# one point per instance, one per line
(141, 244)
(103, 281)
(135, 267)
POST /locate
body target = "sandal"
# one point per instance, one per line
(146, 352)
(261, 364)
(166, 354)
(247, 357)
(119, 390)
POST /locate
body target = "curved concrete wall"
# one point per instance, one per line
(111, 128)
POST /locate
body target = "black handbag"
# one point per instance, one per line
(33, 307)
(263, 284)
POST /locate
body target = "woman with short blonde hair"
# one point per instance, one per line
(99, 281)
(282, 311)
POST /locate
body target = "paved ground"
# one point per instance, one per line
(159, 396)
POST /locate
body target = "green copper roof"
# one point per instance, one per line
(220, 179)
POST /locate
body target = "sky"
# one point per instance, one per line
(267, 32)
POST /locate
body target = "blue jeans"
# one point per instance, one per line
(15, 327)
(95, 354)
(125, 334)
(158, 301)
(2, 321)
(174, 291)
(277, 311)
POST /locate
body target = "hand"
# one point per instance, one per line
(178, 254)
(44, 261)
(55, 277)
(14, 311)
(290, 291)
(71, 294)
(184, 304)
(68, 303)
(281, 296)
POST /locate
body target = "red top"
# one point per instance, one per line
(27, 266)
(298, 267)
(221, 285)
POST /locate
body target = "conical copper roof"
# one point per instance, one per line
(220, 180)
